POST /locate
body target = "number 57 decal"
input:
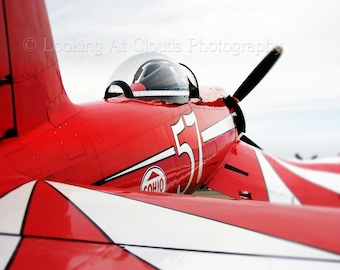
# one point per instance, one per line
(188, 120)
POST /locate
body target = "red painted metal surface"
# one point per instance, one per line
(35, 253)
(65, 142)
(56, 229)
(106, 142)
(231, 182)
(126, 146)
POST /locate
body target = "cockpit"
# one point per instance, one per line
(153, 76)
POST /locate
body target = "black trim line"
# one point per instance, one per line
(24, 219)
(110, 241)
(114, 177)
(234, 169)
(14, 131)
(15, 252)
(240, 254)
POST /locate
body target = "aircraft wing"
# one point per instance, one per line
(49, 225)
(250, 173)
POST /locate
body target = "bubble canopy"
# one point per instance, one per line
(153, 75)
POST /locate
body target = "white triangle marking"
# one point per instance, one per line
(13, 208)
(130, 222)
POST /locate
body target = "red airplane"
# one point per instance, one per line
(90, 185)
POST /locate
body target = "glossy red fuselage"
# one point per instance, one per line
(130, 143)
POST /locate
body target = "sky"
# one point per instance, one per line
(294, 109)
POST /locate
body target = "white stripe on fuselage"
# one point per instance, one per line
(160, 156)
(219, 128)
(215, 130)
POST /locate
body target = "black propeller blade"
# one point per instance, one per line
(245, 139)
(246, 87)
(257, 74)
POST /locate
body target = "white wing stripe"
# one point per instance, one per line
(277, 189)
(7, 248)
(183, 259)
(13, 208)
(131, 222)
(327, 180)
(162, 155)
